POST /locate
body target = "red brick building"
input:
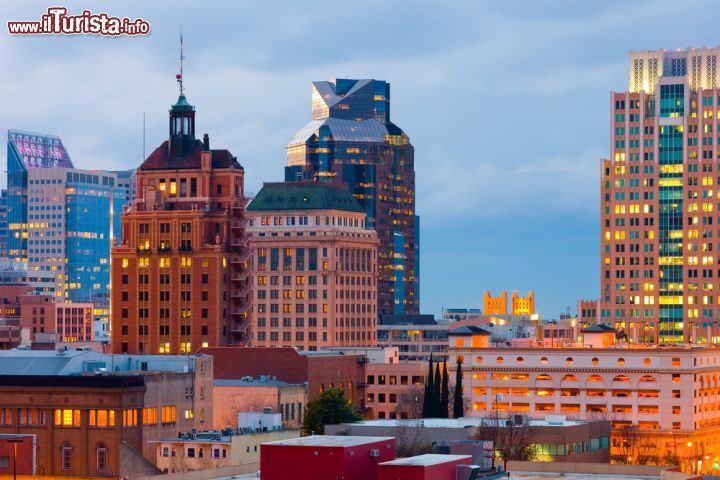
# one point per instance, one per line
(79, 422)
(320, 370)
(179, 276)
(325, 457)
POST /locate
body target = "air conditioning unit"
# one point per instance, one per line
(374, 453)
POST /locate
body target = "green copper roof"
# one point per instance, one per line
(304, 196)
(182, 104)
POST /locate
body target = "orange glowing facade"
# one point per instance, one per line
(314, 267)
(179, 276)
(518, 305)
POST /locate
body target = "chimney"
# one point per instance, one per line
(206, 142)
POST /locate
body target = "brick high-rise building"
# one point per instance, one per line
(314, 267)
(351, 138)
(659, 202)
(179, 276)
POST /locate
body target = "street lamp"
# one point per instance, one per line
(15, 441)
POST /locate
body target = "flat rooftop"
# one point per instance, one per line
(330, 441)
(464, 422)
(427, 460)
(576, 476)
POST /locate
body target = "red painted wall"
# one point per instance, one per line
(24, 455)
(280, 462)
(443, 471)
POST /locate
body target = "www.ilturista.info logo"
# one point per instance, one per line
(58, 22)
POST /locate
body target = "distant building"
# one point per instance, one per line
(3, 224)
(181, 272)
(425, 467)
(395, 390)
(320, 370)
(588, 312)
(351, 139)
(518, 305)
(457, 314)
(20, 448)
(415, 336)
(314, 267)
(126, 179)
(232, 397)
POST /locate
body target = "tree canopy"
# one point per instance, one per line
(329, 408)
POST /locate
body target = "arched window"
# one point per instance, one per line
(351, 392)
(499, 360)
(595, 378)
(621, 378)
(478, 359)
(543, 376)
(621, 361)
(568, 361)
(101, 457)
(543, 360)
(648, 378)
(66, 456)
(647, 361)
(570, 378)
(322, 387)
(520, 359)
(595, 361)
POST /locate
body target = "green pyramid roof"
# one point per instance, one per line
(304, 196)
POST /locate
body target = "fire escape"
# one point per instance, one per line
(240, 279)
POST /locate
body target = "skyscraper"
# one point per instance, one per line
(352, 140)
(180, 277)
(61, 220)
(660, 269)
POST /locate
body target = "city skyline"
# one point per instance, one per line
(547, 196)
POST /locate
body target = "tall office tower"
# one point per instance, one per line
(3, 223)
(27, 151)
(180, 278)
(352, 140)
(61, 220)
(659, 248)
(314, 267)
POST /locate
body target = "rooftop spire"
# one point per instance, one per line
(179, 76)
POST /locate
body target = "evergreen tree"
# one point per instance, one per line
(458, 406)
(436, 393)
(427, 399)
(445, 393)
(329, 408)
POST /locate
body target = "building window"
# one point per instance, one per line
(102, 418)
(101, 455)
(190, 452)
(67, 417)
(66, 456)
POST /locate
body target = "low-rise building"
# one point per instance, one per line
(395, 390)
(341, 456)
(457, 314)
(423, 467)
(665, 396)
(83, 405)
(247, 394)
(415, 336)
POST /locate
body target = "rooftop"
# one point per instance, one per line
(304, 196)
(469, 330)
(253, 382)
(330, 441)
(160, 159)
(465, 422)
(427, 459)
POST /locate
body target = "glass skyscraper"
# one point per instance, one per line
(62, 220)
(350, 139)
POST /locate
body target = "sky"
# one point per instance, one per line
(506, 103)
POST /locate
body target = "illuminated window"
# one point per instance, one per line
(102, 418)
(621, 378)
(544, 360)
(595, 361)
(621, 361)
(67, 417)
(125, 262)
(499, 360)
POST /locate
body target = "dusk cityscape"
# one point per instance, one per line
(383, 241)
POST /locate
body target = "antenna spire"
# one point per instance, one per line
(179, 76)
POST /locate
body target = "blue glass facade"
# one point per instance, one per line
(351, 139)
(93, 207)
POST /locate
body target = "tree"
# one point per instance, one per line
(445, 393)
(458, 407)
(511, 436)
(329, 408)
(411, 441)
(411, 403)
(436, 392)
(428, 397)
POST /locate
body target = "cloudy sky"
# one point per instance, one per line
(506, 103)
